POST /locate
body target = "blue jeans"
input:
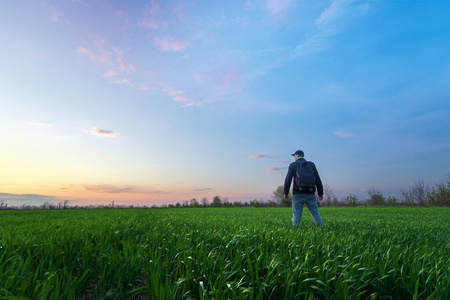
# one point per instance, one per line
(311, 203)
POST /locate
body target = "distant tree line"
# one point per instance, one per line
(193, 203)
(223, 202)
(419, 194)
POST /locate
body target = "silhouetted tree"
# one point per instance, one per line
(278, 196)
(376, 198)
(205, 202)
(194, 203)
(329, 198)
(255, 203)
(217, 202)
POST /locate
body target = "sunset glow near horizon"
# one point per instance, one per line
(157, 102)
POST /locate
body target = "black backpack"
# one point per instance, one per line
(305, 178)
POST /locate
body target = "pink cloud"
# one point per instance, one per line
(169, 44)
(112, 57)
(274, 169)
(182, 96)
(101, 132)
(107, 55)
(55, 16)
(96, 57)
(343, 134)
(122, 81)
(172, 92)
(177, 95)
(110, 73)
(198, 103)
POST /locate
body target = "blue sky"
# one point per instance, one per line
(151, 102)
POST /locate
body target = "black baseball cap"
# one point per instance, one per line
(299, 153)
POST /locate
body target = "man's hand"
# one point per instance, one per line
(285, 197)
(320, 198)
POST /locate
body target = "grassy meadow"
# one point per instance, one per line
(219, 253)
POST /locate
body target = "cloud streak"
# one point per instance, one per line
(331, 12)
(108, 55)
(111, 189)
(101, 132)
(328, 24)
(181, 96)
(261, 156)
(170, 44)
(344, 134)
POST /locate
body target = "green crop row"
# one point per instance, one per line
(360, 253)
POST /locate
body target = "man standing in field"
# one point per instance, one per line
(306, 179)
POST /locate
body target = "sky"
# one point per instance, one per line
(154, 102)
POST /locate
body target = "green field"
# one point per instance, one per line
(216, 253)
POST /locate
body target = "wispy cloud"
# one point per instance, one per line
(177, 95)
(329, 23)
(113, 57)
(152, 16)
(331, 12)
(84, 51)
(103, 188)
(122, 81)
(56, 17)
(182, 96)
(161, 14)
(110, 73)
(111, 189)
(261, 156)
(101, 132)
(170, 44)
(107, 55)
(200, 190)
(344, 133)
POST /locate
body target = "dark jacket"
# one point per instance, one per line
(291, 174)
